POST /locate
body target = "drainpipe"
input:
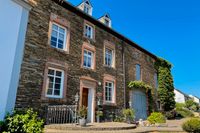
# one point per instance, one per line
(124, 73)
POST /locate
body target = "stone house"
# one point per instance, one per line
(68, 52)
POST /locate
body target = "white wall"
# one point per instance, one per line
(195, 99)
(179, 97)
(14, 17)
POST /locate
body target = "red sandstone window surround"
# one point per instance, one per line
(59, 33)
(109, 54)
(88, 56)
(55, 80)
(109, 90)
(89, 30)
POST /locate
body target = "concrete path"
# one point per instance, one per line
(173, 126)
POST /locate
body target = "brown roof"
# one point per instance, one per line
(72, 8)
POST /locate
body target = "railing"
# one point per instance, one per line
(61, 114)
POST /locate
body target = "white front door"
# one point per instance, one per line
(138, 100)
(90, 112)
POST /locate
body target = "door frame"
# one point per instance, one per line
(87, 82)
(139, 90)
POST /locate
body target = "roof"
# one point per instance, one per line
(182, 92)
(91, 19)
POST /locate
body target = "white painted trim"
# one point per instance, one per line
(24, 4)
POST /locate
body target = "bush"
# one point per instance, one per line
(27, 122)
(156, 117)
(183, 113)
(128, 114)
(192, 125)
(170, 115)
(180, 105)
(82, 112)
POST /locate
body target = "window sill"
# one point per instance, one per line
(111, 67)
(59, 50)
(110, 104)
(86, 68)
(90, 39)
(48, 99)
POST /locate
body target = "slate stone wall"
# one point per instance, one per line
(38, 51)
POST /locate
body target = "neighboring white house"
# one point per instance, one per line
(13, 24)
(180, 97)
(196, 99)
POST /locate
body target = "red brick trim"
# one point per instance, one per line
(111, 78)
(63, 22)
(91, 48)
(58, 65)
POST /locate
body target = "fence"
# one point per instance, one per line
(61, 114)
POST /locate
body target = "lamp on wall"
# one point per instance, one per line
(130, 104)
(76, 97)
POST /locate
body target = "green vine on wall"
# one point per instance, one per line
(165, 84)
(148, 89)
(139, 85)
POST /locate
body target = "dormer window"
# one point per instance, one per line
(86, 7)
(106, 20)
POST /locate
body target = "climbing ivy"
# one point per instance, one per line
(139, 85)
(165, 84)
(148, 89)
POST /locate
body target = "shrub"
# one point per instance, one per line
(99, 113)
(170, 115)
(180, 105)
(128, 114)
(27, 122)
(192, 125)
(182, 112)
(156, 117)
(83, 112)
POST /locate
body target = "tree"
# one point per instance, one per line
(165, 85)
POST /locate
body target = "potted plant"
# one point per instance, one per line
(83, 115)
(128, 115)
(99, 114)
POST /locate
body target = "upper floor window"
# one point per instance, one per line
(86, 6)
(106, 20)
(55, 83)
(58, 36)
(108, 57)
(156, 80)
(88, 59)
(109, 91)
(138, 72)
(88, 31)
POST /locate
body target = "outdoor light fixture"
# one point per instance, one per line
(99, 102)
(130, 103)
(99, 83)
(76, 97)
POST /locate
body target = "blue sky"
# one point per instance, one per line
(167, 28)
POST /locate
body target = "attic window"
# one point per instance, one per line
(87, 8)
(107, 22)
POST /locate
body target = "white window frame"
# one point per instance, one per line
(112, 57)
(109, 21)
(112, 91)
(61, 84)
(86, 31)
(92, 59)
(65, 36)
(136, 72)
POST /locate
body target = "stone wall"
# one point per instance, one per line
(38, 52)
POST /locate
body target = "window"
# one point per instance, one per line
(87, 9)
(108, 57)
(88, 59)
(156, 80)
(138, 72)
(109, 91)
(55, 83)
(88, 31)
(58, 36)
(107, 22)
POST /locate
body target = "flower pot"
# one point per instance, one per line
(82, 122)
